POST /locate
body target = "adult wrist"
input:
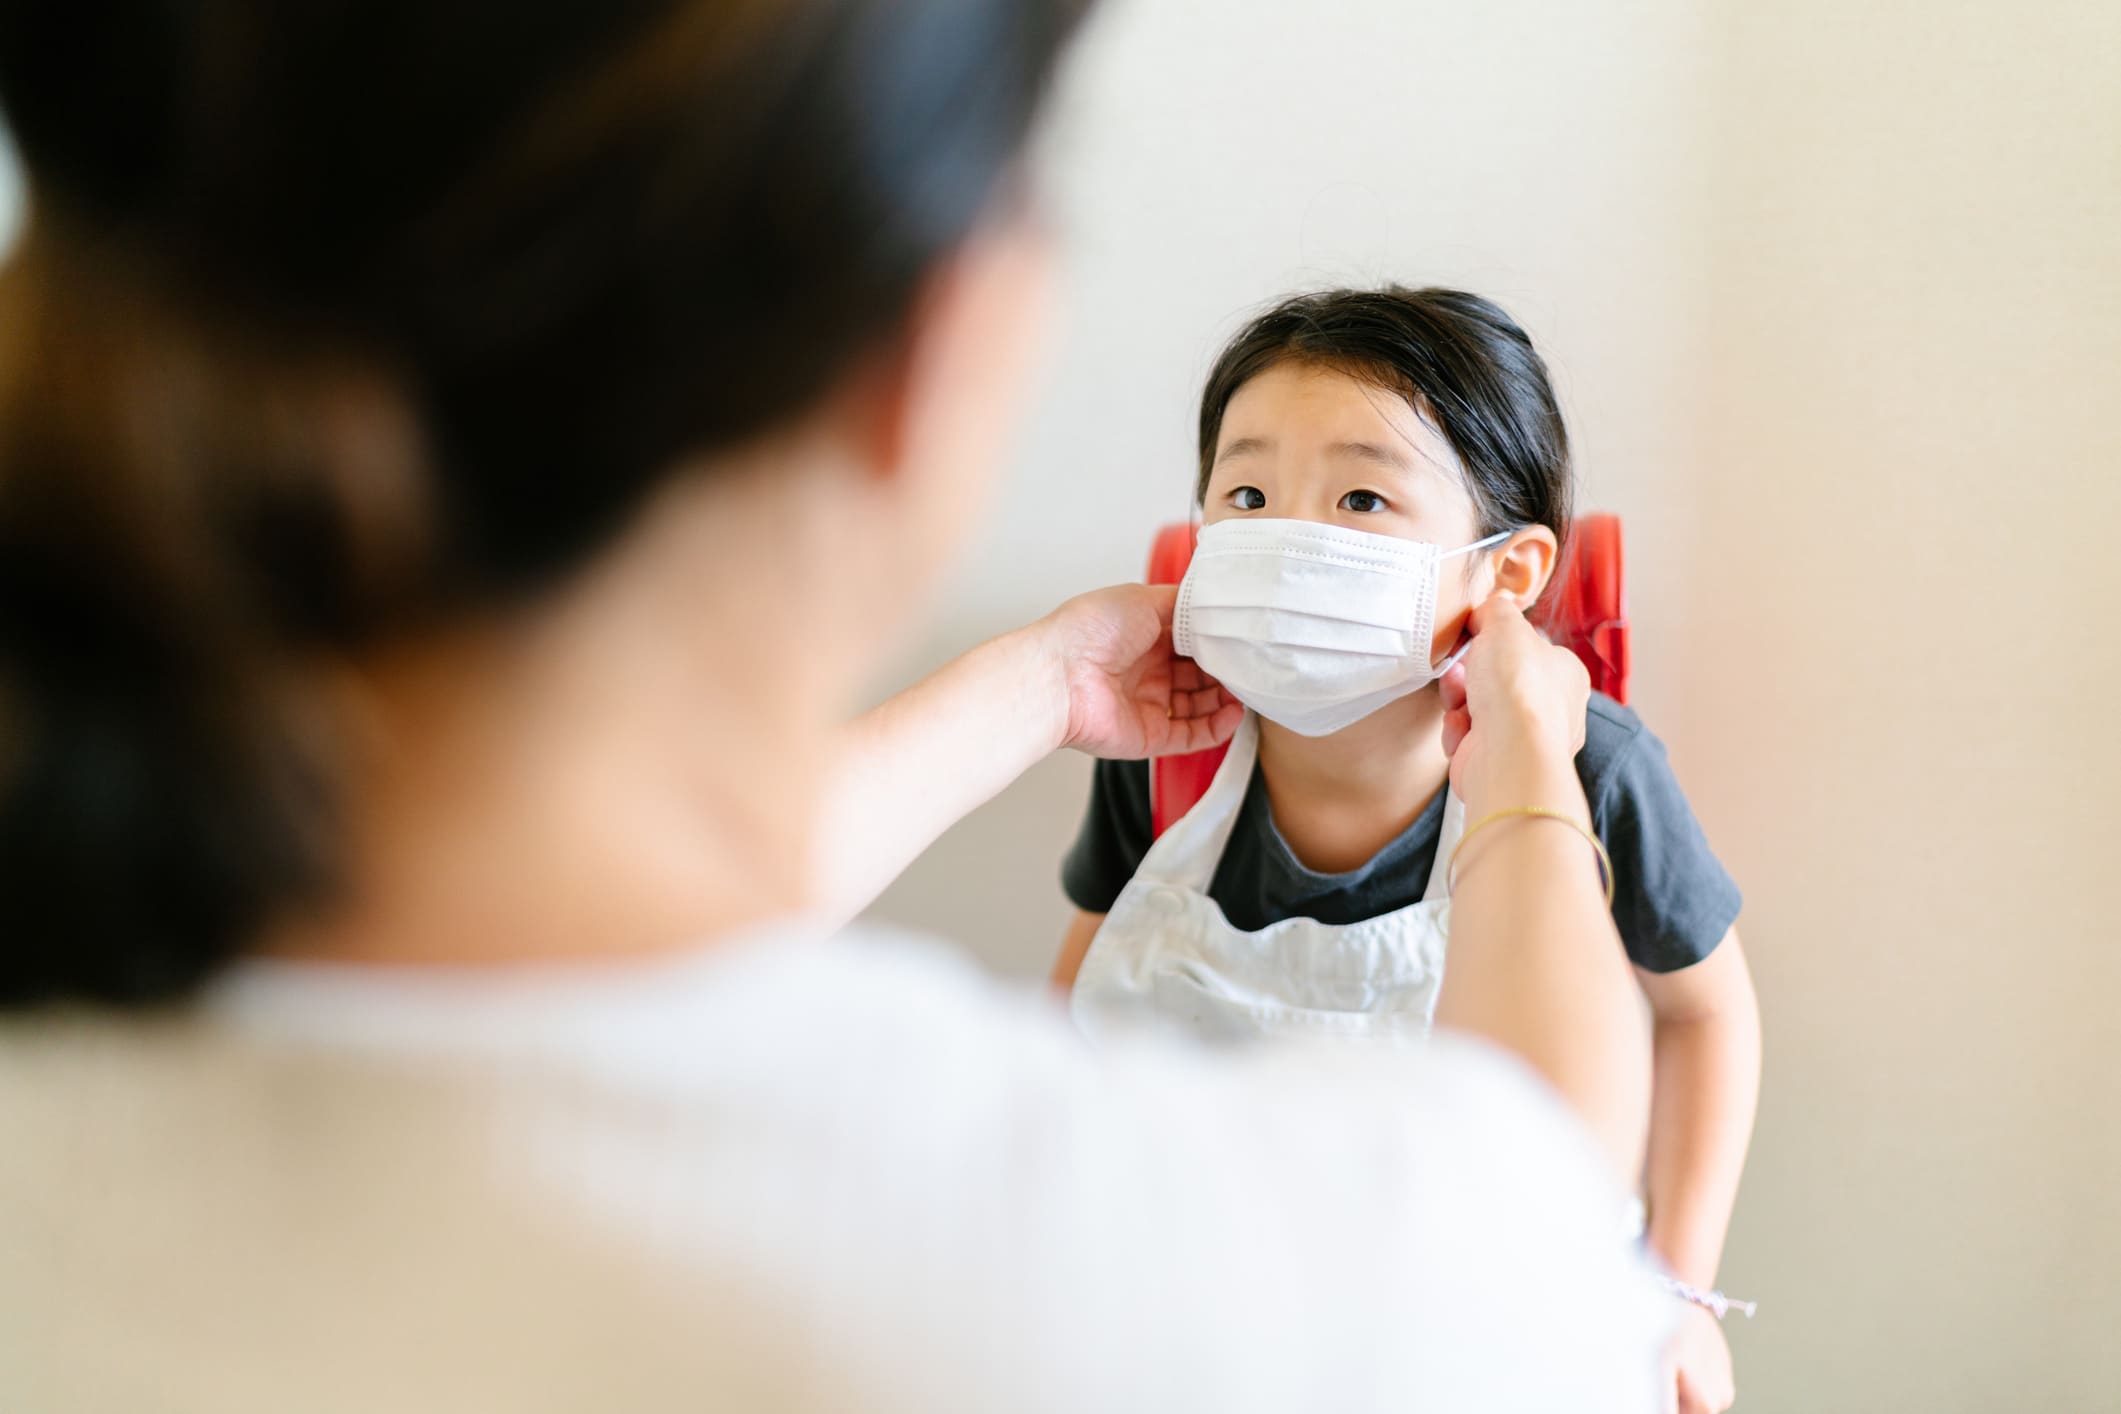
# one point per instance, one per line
(1526, 779)
(1036, 655)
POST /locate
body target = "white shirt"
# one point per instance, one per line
(789, 1174)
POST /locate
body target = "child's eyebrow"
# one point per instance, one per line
(1376, 453)
(1371, 452)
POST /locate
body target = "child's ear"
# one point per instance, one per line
(1525, 564)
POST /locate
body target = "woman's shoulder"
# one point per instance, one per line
(850, 1109)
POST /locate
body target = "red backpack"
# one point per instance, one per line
(1584, 609)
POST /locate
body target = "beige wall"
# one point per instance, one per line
(1835, 295)
(1900, 685)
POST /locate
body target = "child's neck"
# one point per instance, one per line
(1339, 799)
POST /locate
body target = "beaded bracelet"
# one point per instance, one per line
(1535, 812)
(1713, 1302)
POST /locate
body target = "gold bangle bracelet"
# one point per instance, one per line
(1534, 812)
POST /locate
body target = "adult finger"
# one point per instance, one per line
(1497, 611)
(1457, 721)
(1163, 598)
(1452, 687)
(1189, 734)
(1457, 726)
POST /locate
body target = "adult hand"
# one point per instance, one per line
(1536, 964)
(1096, 674)
(1128, 694)
(1514, 705)
(1697, 1377)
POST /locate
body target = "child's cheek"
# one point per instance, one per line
(1454, 605)
(1452, 611)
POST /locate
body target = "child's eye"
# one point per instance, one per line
(1362, 502)
(1248, 498)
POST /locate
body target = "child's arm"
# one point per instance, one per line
(1075, 945)
(1707, 1066)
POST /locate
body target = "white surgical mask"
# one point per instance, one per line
(1313, 626)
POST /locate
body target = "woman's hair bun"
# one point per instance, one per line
(195, 516)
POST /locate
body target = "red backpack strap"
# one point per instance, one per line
(1176, 783)
(1585, 608)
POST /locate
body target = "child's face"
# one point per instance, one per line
(1300, 442)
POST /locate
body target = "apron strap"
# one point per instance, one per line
(1185, 855)
(1448, 835)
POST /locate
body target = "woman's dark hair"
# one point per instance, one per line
(1463, 363)
(337, 317)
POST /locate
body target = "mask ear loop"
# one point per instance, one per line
(1457, 655)
(1496, 539)
(1465, 639)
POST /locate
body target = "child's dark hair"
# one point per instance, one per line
(1458, 358)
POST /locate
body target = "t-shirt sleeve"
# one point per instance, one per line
(1115, 835)
(1672, 900)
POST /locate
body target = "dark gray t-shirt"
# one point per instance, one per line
(1672, 900)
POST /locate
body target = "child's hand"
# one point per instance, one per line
(1698, 1367)
(1514, 706)
(1128, 695)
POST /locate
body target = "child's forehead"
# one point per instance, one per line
(1309, 404)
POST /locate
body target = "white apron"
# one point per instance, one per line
(1167, 955)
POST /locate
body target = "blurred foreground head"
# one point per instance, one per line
(340, 321)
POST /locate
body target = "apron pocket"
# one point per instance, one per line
(1211, 1014)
